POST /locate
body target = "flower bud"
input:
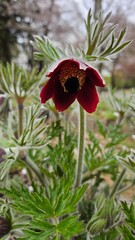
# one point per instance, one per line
(2, 153)
(4, 227)
(1, 195)
(97, 227)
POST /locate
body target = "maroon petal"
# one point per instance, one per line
(48, 90)
(56, 70)
(62, 100)
(88, 97)
(93, 75)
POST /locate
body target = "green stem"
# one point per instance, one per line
(125, 189)
(20, 116)
(81, 142)
(56, 222)
(117, 183)
(27, 160)
(38, 173)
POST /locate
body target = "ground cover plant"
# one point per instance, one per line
(60, 181)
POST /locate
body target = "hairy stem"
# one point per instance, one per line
(81, 142)
(29, 163)
(117, 183)
(125, 188)
(38, 173)
(56, 222)
(20, 116)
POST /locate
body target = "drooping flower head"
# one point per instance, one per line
(72, 80)
(2, 153)
(4, 227)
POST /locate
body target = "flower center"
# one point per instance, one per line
(71, 85)
(72, 78)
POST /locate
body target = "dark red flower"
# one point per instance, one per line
(2, 153)
(2, 99)
(72, 80)
(4, 227)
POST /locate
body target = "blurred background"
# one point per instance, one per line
(63, 22)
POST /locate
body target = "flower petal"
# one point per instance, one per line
(62, 100)
(94, 76)
(88, 97)
(57, 69)
(48, 90)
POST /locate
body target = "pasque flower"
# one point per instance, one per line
(72, 80)
(2, 153)
(4, 227)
